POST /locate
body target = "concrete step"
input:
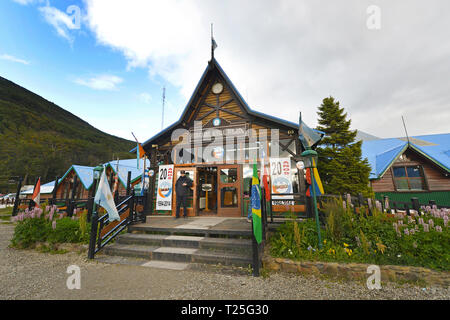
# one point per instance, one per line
(225, 244)
(175, 254)
(205, 232)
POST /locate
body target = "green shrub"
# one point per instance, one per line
(36, 226)
(66, 231)
(377, 239)
(30, 231)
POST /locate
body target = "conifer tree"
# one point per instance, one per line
(340, 165)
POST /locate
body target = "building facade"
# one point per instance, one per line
(216, 141)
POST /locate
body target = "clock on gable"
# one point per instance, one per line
(217, 88)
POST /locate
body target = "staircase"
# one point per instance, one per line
(179, 247)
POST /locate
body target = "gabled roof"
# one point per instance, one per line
(84, 173)
(383, 152)
(213, 64)
(45, 188)
(128, 165)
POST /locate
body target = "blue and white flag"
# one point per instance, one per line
(104, 198)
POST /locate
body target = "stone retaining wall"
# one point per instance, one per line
(356, 271)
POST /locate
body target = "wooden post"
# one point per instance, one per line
(55, 187)
(91, 197)
(129, 183)
(415, 203)
(17, 199)
(386, 203)
(152, 180)
(72, 198)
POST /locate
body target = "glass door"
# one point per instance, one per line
(229, 194)
(191, 199)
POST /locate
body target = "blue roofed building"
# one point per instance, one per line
(417, 166)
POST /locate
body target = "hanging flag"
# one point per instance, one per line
(317, 185)
(104, 198)
(308, 137)
(140, 153)
(256, 205)
(37, 193)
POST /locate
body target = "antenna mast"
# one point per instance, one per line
(404, 126)
(163, 102)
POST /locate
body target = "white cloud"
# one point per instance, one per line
(60, 21)
(145, 97)
(13, 59)
(24, 2)
(287, 56)
(100, 82)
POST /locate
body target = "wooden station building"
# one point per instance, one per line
(226, 170)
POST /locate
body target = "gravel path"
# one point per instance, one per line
(27, 274)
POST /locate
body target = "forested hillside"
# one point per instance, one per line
(39, 138)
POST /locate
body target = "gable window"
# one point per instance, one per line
(408, 178)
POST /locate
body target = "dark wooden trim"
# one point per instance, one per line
(206, 114)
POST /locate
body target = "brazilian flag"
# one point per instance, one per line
(256, 205)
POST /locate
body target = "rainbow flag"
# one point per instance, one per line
(256, 205)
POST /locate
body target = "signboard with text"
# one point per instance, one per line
(281, 183)
(165, 188)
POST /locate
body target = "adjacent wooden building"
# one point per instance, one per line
(403, 168)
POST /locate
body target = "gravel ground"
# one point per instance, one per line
(28, 274)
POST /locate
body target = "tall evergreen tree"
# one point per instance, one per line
(340, 165)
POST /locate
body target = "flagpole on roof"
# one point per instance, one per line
(213, 43)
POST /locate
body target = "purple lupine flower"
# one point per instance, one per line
(406, 231)
(400, 222)
(421, 221)
(54, 224)
(426, 227)
(438, 228)
(412, 231)
(431, 223)
(435, 206)
(50, 216)
(344, 205)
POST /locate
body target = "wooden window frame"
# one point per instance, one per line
(404, 166)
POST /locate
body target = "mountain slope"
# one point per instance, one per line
(39, 138)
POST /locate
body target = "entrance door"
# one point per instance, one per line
(229, 191)
(207, 190)
(192, 197)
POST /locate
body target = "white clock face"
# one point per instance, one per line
(216, 122)
(217, 88)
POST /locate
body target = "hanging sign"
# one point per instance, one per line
(165, 187)
(280, 175)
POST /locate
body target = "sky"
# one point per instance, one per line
(107, 61)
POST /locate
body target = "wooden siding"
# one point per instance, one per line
(435, 180)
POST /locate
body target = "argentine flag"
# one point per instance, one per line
(104, 198)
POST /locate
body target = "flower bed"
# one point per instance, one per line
(46, 225)
(421, 239)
